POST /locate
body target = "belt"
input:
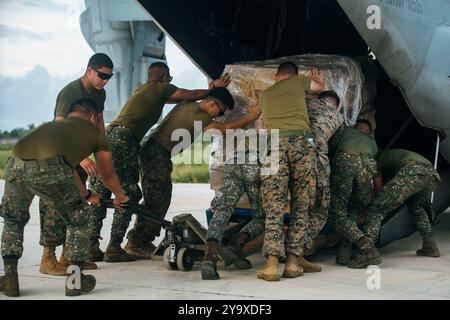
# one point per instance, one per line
(37, 163)
(415, 163)
(119, 127)
(295, 133)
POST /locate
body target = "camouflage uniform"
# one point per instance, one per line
(125, 148)
(351, 190)
(297, 173)
(157, 188)
(412, 184)
(53, 229)
(52, 180)
(237, 179)
(324, 121)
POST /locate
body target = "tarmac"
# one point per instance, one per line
(402, 275)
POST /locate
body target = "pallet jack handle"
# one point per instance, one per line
(140, 211)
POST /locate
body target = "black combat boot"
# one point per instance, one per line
(10, 281)
(114, 253)
(429, 249)
(235, 246)
(209, 263)
(344, 252)
(364, 258)
(75, 287)
(94, 253)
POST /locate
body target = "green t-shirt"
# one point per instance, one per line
(356, 142)
(73, 138)
(74, 91)
(389, 162)
(144, 108)
(185, 122)
(283, 105)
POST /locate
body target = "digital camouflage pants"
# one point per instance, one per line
(296, 173)
(351, 190)
(412, 184)
(156, 169)
(125, 149)
(53, 229)
(237, 180)
(53, 181)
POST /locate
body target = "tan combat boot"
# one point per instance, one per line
(429, 249)
(139, 252)
(270, 270)
(10, 281)
(209, 263)
(308, 266)
(292, 268)
(65, 263)
(49, 264)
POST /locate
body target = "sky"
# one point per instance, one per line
(42, 49)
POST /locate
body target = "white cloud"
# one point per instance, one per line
(42, 49)
(35, 34)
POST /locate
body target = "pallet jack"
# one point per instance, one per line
(185, 238)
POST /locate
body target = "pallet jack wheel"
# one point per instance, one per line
(185, 259)
(166, 259)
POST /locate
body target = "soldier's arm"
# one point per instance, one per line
(194, 95)
(109, 176)
(317, 82)
(92, 198)
(252, 114)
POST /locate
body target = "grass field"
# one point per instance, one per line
(182, 172)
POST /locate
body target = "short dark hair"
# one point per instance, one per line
(364, 121)
(100, 60)
(287, 67)
(331, 94)
(224, 96)
(84, 105)
(159, 64)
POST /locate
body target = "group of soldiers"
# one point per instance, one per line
(53, 162)
(312, 132)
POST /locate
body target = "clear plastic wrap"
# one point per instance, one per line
(341, 74)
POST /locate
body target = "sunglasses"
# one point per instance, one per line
(102, 75)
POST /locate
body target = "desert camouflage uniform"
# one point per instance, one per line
(237, 180)
(156, 186)
(413, 184)
(125, 148)
(324, 121)
(53, 229)
(52, 180)
(296, 173)
(351, 190)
